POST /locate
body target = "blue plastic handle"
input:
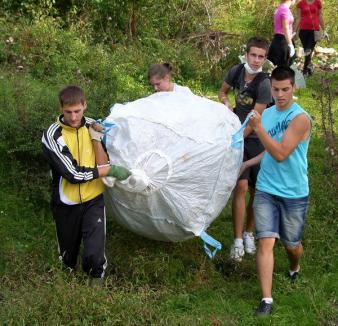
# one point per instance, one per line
(210, 241)
(106, 127)
(237, 138)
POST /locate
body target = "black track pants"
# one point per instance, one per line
(84, 222)
(307, 38)
(279, 52)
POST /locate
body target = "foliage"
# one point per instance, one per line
(116, 21)
(147, 18)
(330, 14)
(326, 95)
(29, 8)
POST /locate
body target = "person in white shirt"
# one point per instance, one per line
(160, 77)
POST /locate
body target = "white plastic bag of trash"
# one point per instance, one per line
(178, 147)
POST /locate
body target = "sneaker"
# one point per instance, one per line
(264, 309)
(307, 72)
(237, 252)
(292, 276)
(249, 243)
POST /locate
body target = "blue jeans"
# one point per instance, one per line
(280, 217)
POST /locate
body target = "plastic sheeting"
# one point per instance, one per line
(178, 147)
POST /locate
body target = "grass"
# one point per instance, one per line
(155, 283)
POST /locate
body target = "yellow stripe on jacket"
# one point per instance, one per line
(80, 145)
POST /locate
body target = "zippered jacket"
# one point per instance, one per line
(69, 152)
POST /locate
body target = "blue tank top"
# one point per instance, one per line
(287, 178)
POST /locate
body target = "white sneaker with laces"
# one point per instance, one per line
(249, 243)
(237, 251)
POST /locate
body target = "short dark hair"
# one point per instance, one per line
(160, 69)
(71, 95)
(257, 42)
(283, 73)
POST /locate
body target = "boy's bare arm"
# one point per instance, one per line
(247, 164)
(223, 95)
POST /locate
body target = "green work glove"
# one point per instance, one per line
(119, 172)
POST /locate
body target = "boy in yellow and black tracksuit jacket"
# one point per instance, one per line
(77, 199)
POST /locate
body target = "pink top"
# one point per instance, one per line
(309, 14)
(282, 12)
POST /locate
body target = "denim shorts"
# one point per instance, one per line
(280, 217)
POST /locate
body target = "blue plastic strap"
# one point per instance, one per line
(210, 241)
(237, 138)
(106, 127)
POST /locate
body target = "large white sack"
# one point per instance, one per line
(182, 143)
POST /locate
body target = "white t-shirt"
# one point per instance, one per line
(182, 89)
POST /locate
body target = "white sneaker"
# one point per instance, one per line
(249, 243)
(236, 252)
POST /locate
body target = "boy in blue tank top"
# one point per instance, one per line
(282, 192)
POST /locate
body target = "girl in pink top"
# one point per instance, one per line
(283, 15)
(309, 20)
(282, 49)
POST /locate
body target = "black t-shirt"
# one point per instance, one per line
(245, 103)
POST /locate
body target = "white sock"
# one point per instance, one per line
(293, 272)
(238, 242)
(247, 233)
(268, 300)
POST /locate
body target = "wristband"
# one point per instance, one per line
(102, 165)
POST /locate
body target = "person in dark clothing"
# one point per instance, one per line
(77, 158)
(252, 91)
(282, 50)
(308, 23)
